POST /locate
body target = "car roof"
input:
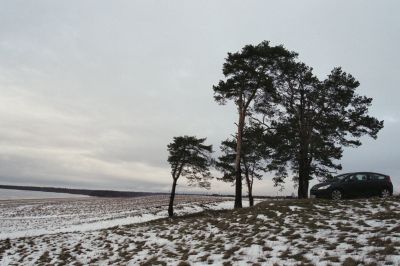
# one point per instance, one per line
(352, 173)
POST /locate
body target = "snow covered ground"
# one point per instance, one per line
(33, 217)
(280, 232)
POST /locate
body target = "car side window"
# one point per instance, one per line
(348, 178)
(377, 177)
(351, 178)
(360, 177)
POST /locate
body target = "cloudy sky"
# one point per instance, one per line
(91, 92)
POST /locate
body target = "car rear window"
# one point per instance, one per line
(377, 177)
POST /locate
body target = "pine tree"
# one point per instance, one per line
(250, 76)
(317, 119)
(253, 158)
(191, 158)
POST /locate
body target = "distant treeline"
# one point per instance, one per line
(88, 192)
(113, 193)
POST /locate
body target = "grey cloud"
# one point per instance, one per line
(93, 91)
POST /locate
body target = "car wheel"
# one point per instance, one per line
(385, 193)
(336, 195)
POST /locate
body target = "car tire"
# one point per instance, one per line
(336, 195)
(385, 193)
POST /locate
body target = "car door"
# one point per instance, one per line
(348, 186)
(361, 185)
(370, 189)
(355, 185)
(376, 184)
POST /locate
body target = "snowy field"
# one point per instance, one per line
(33, 217)
(279, 232)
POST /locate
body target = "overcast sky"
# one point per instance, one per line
(91, 92)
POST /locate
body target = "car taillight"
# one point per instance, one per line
(389, 179)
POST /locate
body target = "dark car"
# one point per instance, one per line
(351, 185)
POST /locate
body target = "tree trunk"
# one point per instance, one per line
(304, 171)
(251, 199)
(303, 181)
(171, 199)
(306, 179)
(305, 188)
(249, 187)
(306, 183)
(238, 172)
(300, 187)
(302, 152)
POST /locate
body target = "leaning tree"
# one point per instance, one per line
(191, 158)
(317, 119)
(250, 76)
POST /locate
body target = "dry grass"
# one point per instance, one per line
(286, 232)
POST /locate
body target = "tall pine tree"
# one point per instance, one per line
(317, 119)
(250, 75)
